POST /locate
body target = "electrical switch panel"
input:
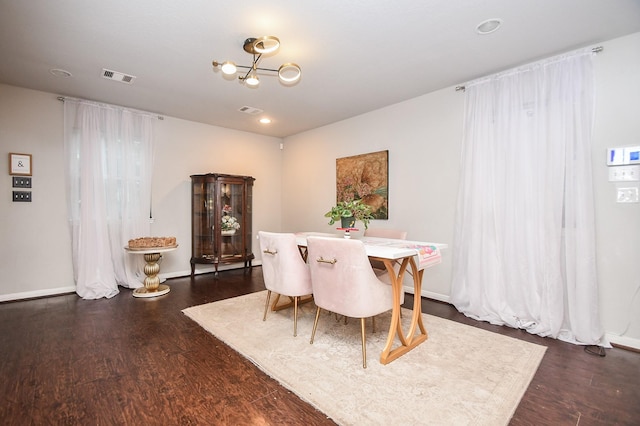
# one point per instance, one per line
(22, 196)
(21, 182)
(624, 173)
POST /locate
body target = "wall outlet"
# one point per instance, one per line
(627, 195)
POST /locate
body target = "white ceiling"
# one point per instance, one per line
(356, 55)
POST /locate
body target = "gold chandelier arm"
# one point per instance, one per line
(246, 75)
(251, 77)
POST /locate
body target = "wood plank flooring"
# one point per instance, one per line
(135, 361)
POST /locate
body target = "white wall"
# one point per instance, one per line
(36, 248)
(423, 137)
(617, 225)
(35, 254)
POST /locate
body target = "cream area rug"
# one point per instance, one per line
(460, 376)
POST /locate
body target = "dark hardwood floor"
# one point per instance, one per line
(126, 360)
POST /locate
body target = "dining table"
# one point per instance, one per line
(399, 257)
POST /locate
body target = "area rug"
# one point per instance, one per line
(460, 376)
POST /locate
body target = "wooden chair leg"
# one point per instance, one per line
(266, 306)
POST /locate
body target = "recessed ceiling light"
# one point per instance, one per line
(488, 26)
(60, 72)
(265, 120)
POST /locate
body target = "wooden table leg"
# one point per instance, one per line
(411, 339)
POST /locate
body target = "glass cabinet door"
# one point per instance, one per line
(203, 208)
(232, 220)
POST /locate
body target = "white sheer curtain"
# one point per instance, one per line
(109, 154)
(524, 244)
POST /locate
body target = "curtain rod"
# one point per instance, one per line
(64, 98)
(596, 49)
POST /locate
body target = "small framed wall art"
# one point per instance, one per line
(19, 164)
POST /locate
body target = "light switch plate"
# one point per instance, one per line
(21, 182)
(624, 173)
(22, 196)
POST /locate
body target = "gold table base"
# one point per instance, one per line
(152, 286)
(145, 292)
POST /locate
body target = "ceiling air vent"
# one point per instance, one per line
(117, 76)
(250, 110)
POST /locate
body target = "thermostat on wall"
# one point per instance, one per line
(632, 155)
(615, 156)
(621, 156)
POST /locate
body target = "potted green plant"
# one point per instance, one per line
(348, 212)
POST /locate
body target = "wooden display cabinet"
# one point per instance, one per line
(221, 220)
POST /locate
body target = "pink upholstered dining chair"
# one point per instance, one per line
(284, 270)
(344, 283)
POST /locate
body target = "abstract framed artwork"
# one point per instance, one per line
(365, 177)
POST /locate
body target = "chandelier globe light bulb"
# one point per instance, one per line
(252, 80)
(228, 67)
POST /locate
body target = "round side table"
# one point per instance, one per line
(152, 286)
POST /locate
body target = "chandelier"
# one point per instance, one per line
(288, 73)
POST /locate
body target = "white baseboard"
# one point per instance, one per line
(429, 294)
(628, 342)
(37, 293)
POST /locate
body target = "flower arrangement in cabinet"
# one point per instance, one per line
(229, 224)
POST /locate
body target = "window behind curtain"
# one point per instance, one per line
(109, 152)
